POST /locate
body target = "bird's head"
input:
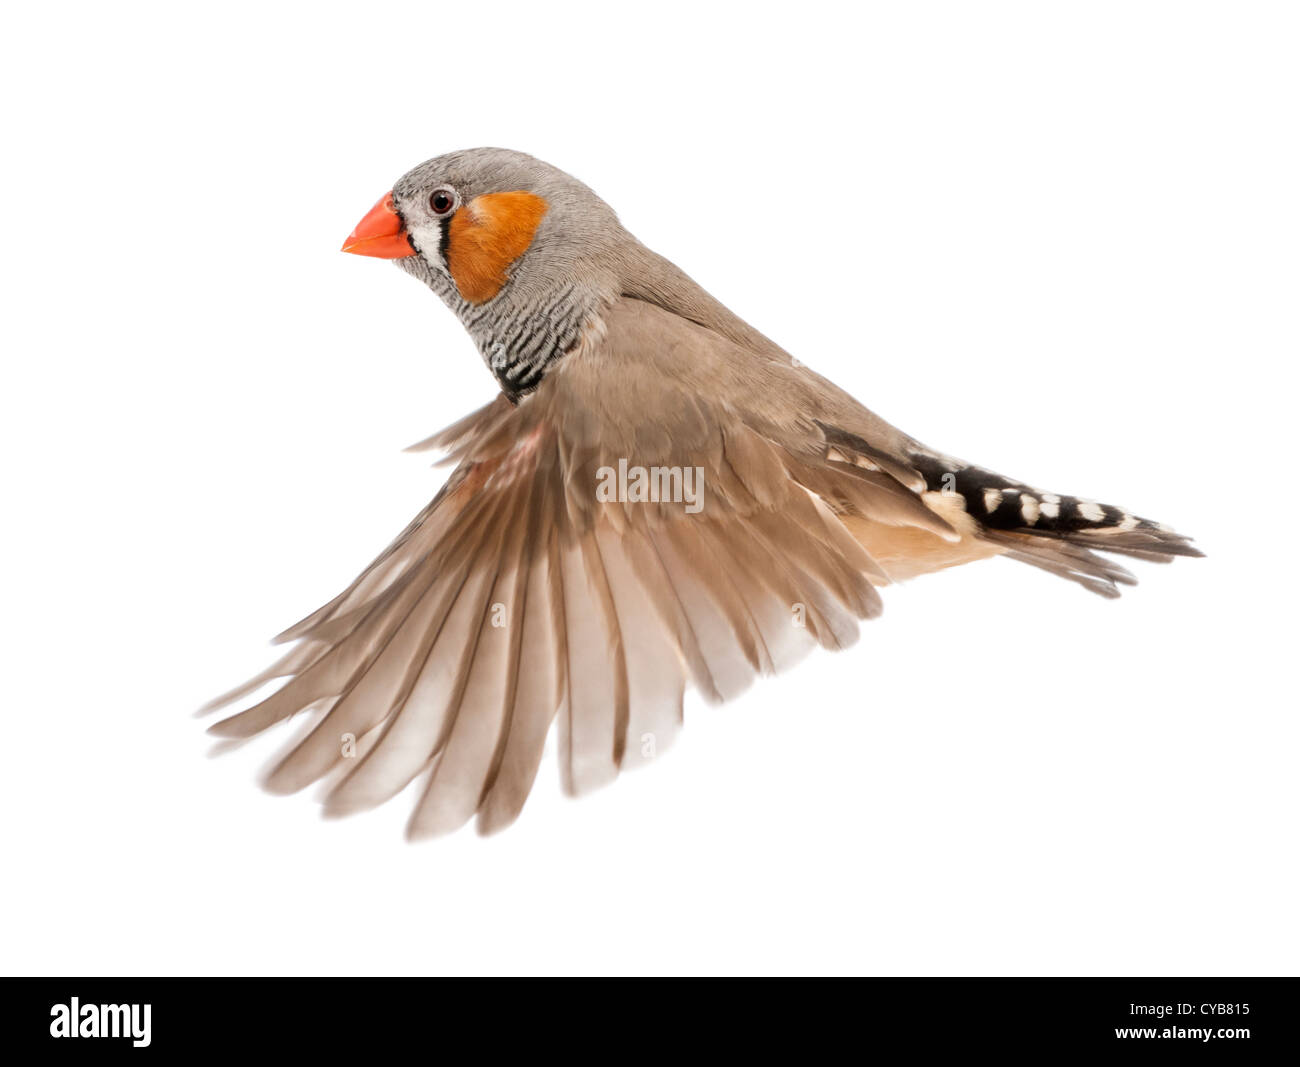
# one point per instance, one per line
(522, 252)
(528, 258)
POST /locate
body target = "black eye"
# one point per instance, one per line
(442, 201)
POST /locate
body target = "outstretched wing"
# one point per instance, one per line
(524, 593)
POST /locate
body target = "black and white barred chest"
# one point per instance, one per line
(519, 342)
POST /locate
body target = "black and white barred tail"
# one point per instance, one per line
(1053, 531)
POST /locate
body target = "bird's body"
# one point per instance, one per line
(660, 497)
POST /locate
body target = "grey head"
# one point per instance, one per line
(528, 258)
(465, 222)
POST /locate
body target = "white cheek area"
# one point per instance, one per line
(427, 240)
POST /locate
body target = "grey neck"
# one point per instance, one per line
(518, 339)
(523, 331)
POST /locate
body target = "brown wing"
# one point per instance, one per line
(521, 594)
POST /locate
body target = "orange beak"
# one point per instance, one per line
(380, 233)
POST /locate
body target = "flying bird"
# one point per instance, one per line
(658, 497)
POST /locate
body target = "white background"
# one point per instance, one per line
(1059, 240)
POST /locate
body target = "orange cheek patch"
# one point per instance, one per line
(486, 236)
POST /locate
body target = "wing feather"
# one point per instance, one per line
(538, 696)
(610, 608)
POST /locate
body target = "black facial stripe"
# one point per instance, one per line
(410, 237)
(444, 236)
